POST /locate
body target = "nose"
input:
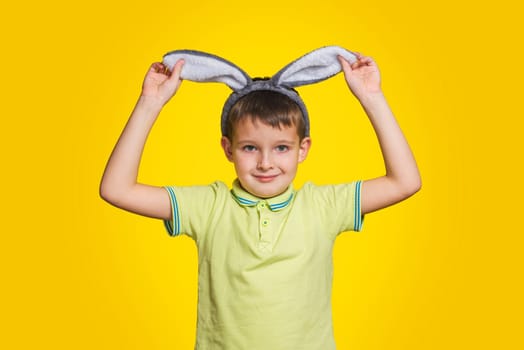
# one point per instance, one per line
(264, 161)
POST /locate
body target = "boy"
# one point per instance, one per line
(265, 266)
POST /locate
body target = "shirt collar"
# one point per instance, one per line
(245, 198)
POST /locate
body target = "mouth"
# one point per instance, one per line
(265, 178)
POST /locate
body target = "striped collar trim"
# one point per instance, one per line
(275, 203)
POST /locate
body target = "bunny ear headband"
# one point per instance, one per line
(311, 68)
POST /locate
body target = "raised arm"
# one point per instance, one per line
(119, 183)
(402, 178)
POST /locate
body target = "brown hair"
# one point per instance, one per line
(269, 107)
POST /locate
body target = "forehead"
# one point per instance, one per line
(248, 129)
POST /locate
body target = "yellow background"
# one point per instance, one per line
(442, 270)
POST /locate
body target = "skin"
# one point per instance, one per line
(265, 165)
(265, 158)
(402, 178)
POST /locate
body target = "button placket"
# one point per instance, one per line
(264, 226)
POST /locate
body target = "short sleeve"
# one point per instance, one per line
(192, 208)
(339, 206)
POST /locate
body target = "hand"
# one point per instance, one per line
(160, 83)
(362, 77)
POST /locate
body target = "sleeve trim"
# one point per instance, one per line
(173, 226)
(358, 213)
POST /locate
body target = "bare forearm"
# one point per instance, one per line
(402, 178)
(122, 168)
(119, 183)
(399, 160)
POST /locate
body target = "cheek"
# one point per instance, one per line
(291, 161)
(242, 162)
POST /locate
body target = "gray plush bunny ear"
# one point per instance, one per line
(313, 67)
(204, 67)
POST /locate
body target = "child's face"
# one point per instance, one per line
(265, 158)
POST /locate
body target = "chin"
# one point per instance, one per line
(269, 193)
(266, 195)
(265, 189)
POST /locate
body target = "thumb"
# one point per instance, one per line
(346, 66)
(177, 69)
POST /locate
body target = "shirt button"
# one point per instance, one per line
(265, 222)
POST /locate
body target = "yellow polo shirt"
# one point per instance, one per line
(265, 265)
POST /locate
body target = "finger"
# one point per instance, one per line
(367, 60)
(346, 66)
(362, 61)
(177, 69)
(156, 67)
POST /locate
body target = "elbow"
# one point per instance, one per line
(104, 192)
(412, 186)
(416, 187)
(115, 194)
(406, 186)
(108, 193)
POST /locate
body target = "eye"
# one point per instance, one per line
(249, 148)
(282, 148)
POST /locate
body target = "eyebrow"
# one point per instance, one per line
(286, 141)
(289, 142)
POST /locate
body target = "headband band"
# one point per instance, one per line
(263, 85)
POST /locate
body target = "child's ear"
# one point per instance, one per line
(226, 146)
(305, 145)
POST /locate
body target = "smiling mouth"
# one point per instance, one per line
(265, 178)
